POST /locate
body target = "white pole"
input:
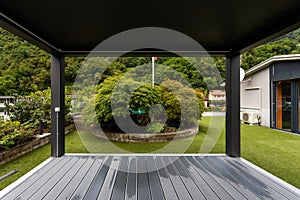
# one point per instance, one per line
(152, 71)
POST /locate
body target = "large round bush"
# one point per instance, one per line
(174, 97)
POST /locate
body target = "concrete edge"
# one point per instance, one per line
(146, 154)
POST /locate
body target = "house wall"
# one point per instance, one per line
(217, 95)
(255, 95)
(281, 72)
(286, 70)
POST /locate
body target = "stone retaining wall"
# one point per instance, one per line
(140, 137)
(18, 151)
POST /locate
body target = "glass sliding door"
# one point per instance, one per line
(283, 105)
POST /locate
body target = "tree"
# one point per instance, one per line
(35, 107)
(129, 95)
(287, 44)
(24, 68)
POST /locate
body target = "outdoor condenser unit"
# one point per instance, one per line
(250, 117)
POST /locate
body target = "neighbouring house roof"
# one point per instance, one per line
(7, 97)
(266, 63)
(217, 92)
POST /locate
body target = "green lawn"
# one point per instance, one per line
(275, 151)
(189, 145)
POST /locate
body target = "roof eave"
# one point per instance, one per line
(271, 60)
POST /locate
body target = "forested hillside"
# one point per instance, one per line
(287, 44)
(25, 68)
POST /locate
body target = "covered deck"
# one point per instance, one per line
(146, 177)
(226, 28)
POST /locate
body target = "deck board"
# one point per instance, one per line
(32, 179)
(120, 183)
(142, 180)
(107, 187)
(59, 187)
(220, 191)
(98, 180)
(270, 187)
(205, 189)
(131, 183)
(77, 180)
(254, 186)
(85, 183)
(142, 177)
(178, 185)
(189, 183)
(154, 182)
(35, 182)
(167, 186)
(51, 182)
(227, 173)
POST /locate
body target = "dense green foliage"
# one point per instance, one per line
(25, 68)
(198, 72)
(288, 44)
(35, 107)
(28, 116)
(172, 95)
(31, 108)
(15, 133)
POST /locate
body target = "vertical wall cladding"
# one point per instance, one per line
(286, 71)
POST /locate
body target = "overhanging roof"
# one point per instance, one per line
(268, 62)
(221, 27)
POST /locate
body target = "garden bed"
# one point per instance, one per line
(22, 149)
(139, 137)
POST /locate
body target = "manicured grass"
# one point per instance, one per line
(24, 164)
(188, 145)
(275, 151)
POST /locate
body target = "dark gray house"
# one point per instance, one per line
(271, 89)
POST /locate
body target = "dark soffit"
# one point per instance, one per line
(220, 26)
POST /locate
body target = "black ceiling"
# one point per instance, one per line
(220, 26)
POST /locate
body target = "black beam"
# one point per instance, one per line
(57, 106)
(146, 53)
(233, 143)
(17, 29)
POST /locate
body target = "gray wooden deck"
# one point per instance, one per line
(118, 177)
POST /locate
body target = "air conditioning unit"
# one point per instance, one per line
(250, 117)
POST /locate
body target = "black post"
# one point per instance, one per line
(57, 106)
(233, 129)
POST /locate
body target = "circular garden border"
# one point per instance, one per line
(141, 137)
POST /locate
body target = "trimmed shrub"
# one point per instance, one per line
(14, 133)
(175, 98)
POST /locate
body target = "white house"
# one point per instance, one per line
(217, 95)
(272, 89)
(5, 100)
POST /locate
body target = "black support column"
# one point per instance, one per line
(233, 141)
(57, 106)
